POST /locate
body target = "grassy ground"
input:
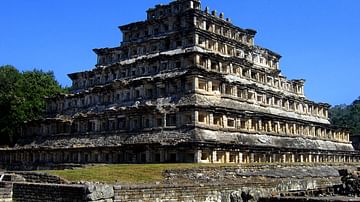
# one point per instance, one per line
(124, 173)
(144, 173)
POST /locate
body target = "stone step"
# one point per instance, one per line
(5, 191)
(6, 185)
(6, 195)
(7, 177)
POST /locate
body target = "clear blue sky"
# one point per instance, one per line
(318, 39)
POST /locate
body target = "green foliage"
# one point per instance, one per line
(347, 115)
(9, 99)
(22, 98)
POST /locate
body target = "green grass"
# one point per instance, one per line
(124, 173)
(145, 173)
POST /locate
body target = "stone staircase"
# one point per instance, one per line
(6, 191)
(6, 187)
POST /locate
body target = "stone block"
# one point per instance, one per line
(97, 192)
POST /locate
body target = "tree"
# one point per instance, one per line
(34, 87)
(9, 99)
(347, 115)
(22, 98)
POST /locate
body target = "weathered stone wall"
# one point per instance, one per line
(252, 188)
(34, 177)
(6, 191)
(31, 192)
(251, 174)
(183, 193)
(227, 184)
(230, 183)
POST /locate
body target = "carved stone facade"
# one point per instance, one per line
(185, 85)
